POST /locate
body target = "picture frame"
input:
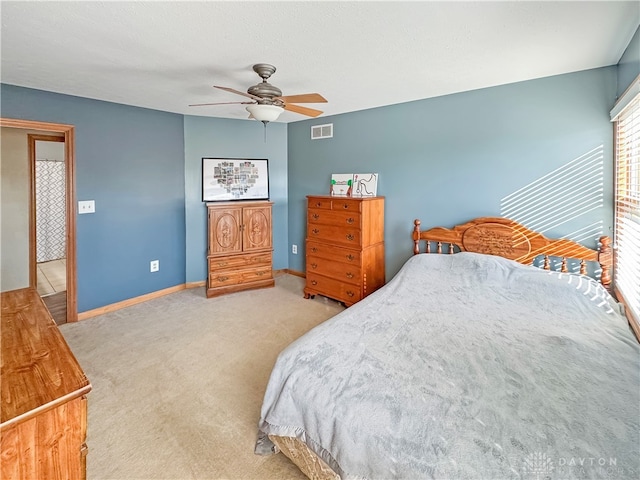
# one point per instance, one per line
(341, 184)
(354, 184)
(365, 184)
(234, 179)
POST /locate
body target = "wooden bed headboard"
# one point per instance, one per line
(509, 239)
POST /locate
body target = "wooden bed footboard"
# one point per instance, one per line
(507, 238)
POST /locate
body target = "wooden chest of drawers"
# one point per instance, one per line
(344, 247)
(43, 424)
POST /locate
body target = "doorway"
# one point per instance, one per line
(64, 136)
(48, 172)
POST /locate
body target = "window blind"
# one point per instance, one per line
(627, 201)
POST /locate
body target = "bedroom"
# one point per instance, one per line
(142, 167)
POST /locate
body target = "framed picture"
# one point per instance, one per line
(365, 184)
(341, 184)
(229, 179)
(354, 184)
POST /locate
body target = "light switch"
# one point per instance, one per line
(86, 206)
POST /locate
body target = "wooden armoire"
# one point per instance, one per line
(240, 247)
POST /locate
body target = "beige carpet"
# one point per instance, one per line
(178, 381)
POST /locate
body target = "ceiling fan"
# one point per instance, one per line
(267, 100)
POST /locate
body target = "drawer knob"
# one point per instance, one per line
(345, 206)
(315, 216)
(315, 231)
(350, 220)
(349, 275)
(260, 273)
(314, 249)
(318, 204)
(223, 279)
(313, 282)
(350, 237)
(350, 257)
(314, 265)
(350, 293)
(222, 264)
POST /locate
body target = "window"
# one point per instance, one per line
(627, 204)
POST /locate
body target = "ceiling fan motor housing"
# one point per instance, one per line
(264, 90)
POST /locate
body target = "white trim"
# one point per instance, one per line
(625, 99)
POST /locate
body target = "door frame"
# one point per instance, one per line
(70, 215)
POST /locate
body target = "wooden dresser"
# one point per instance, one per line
(44, 405)
(240, 252)
(344, 247)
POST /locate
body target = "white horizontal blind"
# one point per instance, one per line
(627, 232)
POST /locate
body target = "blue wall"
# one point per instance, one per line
(449, 159)
(215, 137)
(131, 162)
(629, 64)
(444, 160)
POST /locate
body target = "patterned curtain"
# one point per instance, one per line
(50, 210)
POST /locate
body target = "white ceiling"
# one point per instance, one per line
(359, 55)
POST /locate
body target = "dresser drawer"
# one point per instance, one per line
(335, 203)
(333, 217)
(236, 277)
(341, 291)
(331, 252)
(338, 270)
(323, 203)
(217, 264)
(345, 205)
(349, 236)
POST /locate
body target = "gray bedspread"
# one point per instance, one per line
(466, 366)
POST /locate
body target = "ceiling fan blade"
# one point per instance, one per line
(304, 98)
(310, 112)
(232, 90)
(220, 103)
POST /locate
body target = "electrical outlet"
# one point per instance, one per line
(294, 249)
(86, 206)
(154, 265)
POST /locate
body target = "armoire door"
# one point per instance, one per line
(256, 233)
(225, 229)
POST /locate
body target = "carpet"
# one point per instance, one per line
(178, 381)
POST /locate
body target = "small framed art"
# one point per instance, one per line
(354, 184)
(229, 179)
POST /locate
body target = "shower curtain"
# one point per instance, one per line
(50, 210)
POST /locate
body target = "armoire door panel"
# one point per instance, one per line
(224, 233)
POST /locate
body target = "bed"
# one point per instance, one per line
(469, 364)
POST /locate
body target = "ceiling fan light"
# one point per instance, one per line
(265, 113)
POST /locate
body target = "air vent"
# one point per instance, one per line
(322, 131)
